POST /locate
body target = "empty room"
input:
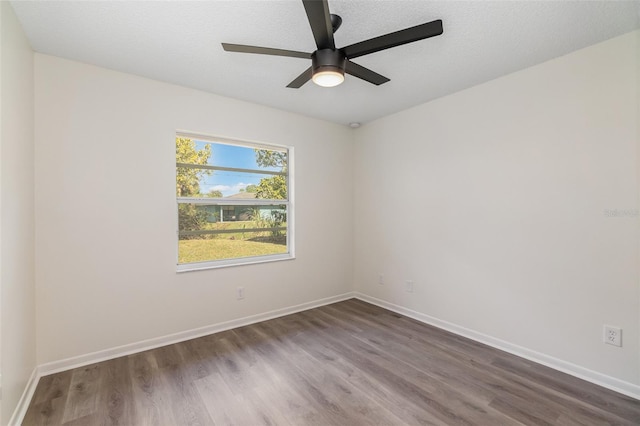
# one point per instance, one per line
(319, 212)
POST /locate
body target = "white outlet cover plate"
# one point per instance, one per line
(612, 335)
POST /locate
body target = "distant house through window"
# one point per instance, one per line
(233, 202)
(229, 213)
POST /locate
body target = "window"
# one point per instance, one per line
(233, 202)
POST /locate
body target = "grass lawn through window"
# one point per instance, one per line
(231, 245)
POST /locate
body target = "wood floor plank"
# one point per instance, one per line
(53, 386)
(115, 404)
(546, 404)
(47, 413)
(452, 371)
(340, 395)
(577, 389)
(48, 402)
(406, 411)
(421, 387)
(192, 364)
(276, 385)
(299, 377)
(185, 402)
(226, 407)
(150, 401)
(82, 398)
(349, 363)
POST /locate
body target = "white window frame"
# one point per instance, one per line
(289, 202)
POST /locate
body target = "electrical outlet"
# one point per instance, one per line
(380, 279)
(408, 285)
(612, 335)
(240, 293)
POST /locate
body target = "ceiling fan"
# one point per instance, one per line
(329, 64)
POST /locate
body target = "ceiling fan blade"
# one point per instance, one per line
(365, 73)
(387, 41)
(320, 21)
(264, 50)
(301, 79)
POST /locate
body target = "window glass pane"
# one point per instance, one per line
(244, 157)
(233, 246)
(206, 176)
(215, 232)
(231, 184)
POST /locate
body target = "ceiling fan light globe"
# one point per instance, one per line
(328, 78)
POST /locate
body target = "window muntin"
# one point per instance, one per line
(233, 202)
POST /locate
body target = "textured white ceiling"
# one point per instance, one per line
(179, 42)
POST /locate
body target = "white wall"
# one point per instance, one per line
(105, 210)
(493, 201)
(17, 282)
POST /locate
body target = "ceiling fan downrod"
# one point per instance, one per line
(329, 63)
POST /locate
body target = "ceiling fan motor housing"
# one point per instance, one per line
(329, 64)
(328, 60)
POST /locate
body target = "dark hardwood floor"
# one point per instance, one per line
(350, 363)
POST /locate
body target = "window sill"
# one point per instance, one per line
(199, 266)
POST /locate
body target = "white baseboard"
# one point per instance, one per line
(103, 355)
(600, 379)
(106, 354)
(25, 399)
